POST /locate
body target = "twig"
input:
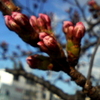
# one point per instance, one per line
(41, 81)
(92, 60)
(78, 5)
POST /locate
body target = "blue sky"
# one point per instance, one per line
(56, 6)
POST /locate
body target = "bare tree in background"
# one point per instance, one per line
(38, 32)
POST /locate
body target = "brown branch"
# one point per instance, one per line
(46, 84)
(92, 60)
(8, 8)
(92, 25)
(92, 92)
(82, 10)
(4, 9)
(84, 48)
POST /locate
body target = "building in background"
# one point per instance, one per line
(18, 88)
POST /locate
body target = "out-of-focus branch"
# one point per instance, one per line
(84, 48)
(92, 60)
(93, 25)
(82, 11)
(46, 84)
(93, 92)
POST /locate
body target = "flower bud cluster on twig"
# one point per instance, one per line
(74, 35)
(28, 28)
(39, 62)
(37, 31)
(50, 45)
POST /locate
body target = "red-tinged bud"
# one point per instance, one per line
(33, 61)
(79, 30)
(68, 29)
(91, 3)
(43, 47)
(50, 42)
(40, 22)
(45, 17)
(22, 20)
(49, 45)
(11, 24)
(39, 62)
(42, 35)
(47, 20)
(33, 21)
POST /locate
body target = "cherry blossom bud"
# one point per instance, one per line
(48, 40)
(91, 3)
(40, 22)
(73, 32)
(22, 20)
(33, 61)
(79, 30)
(42, 35)
(68, 29)
(43, 47)
(11, 24)
(19, 17)
(33, 21)
(50, 45)
(40, 62)
(46, 19)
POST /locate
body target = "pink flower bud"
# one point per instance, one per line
(46, 19)
(68, 29)
(48, 42)
(33, 61)
(43, 47)
(91, 3)
(79, 30)
(11, 24)
(22, 20)
(33, 21)
(74, 33)
(42, 35)
(40, 22)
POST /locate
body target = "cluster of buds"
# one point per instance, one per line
(28, 28)
(50, 45)
(39, 62)
(20, 24)
(41, 23)
(74, 35)
(94, 8)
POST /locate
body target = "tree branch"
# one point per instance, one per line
(46, 84)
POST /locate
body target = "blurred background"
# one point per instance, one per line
(13, 52)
